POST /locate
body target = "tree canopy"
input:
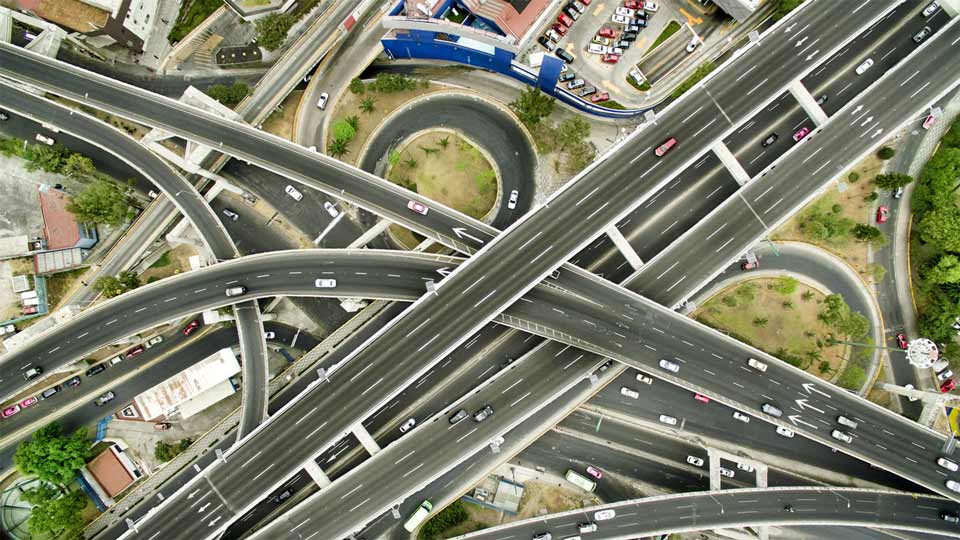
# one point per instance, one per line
(110, 286)
(55, 514)
(532, 106)
(272, 30)
(947, 270)
(229, 95)
(941, 227)
(102, 202)
(892, 180)
(51, 456)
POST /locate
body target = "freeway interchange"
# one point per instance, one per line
(501, 273)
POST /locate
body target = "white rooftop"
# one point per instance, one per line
(165, 398)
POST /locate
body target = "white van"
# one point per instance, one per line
(771, 410)
(596, 48)
(844, 421)
(757, 365)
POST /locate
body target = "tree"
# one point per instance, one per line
(272, 30)
(357, 86)
(411, 163)
(102, 202)
(807, 296)
(392, 82)
(47, 158)
(78, 166)
(229, 95)
(165, 451)
(787, 285)
(343, 130)
(52, 456)
(111, 286)
(338, 147)
(451, 516)
(760, 321)
(935, 185)
(572, 131)
(834, 310)
(855, 326)
(885, 153)
(367, 105)
(853, 377)
(394, 158)
(784, 7)
(941, 228)
(892, 181)
(579, 156)
(532, 106)
(354, 121)
(868, 233)
(55, 514)
(947, 270)
(444, 142)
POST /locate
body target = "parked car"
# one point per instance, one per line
(559, 28)
(931, 8)
(293, 192)
(565, 77)
(620, 19)
(633, 4)
(629, 392)
(408, 425)
(651, 7)
(695, 461)
(546, 43)
(785, 432)
(628, 36)
(572, 12)
(564, 55)
(737, 415)
(71, 382)
(645, 379)
(7, 329)
(32, 373)
(154, 341)
(947, 385)
(552, 35)
(594, 472)
(50, 392)
(625, 11)
(726, 472)
(610, 58)
(10, 411)
(587, 91)
(135, 351)
(601, 97)
(331, 209)
(191, 327)
(607, 32)
(883, 213)
(922, 34)
(45, 140)
(669, 420)
(947, 464)
(701, 398)
(928, 122)
(600, 40)
(96, 370)
(801, 133)
(564, 20)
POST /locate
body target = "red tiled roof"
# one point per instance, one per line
(110, 473)
(59, 226)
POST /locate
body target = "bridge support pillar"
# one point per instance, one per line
(315, 472)
(624, 246)
(808, 103)
(370, 234)
(730, 162)
(952, 7)
(733, 533)
(714, 458)
(365, 439)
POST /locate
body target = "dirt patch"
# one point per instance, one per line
(280, 122)
(784, 325)
(540, 498)
(59, 285)
(171, 263)
(480, 517)
(845, 201)
(73, 14)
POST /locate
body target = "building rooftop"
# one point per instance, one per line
(59, 226)
(110, 472)
(166, 398)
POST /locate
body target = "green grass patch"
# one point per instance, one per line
(191, 16)
(612, 104)
(164, 260)
(641, 87)
(697, 76)
(668, 31)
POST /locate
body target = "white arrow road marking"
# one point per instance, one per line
(801, 42)
(877, 132)
(811, 388)
(867, 121)
(214, 522)
(462, 233)
(802, 403)
(795, 418)
(813, 55)
(204, 507)
(192, 493)
(855, 111)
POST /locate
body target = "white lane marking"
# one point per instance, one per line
(808, 158)
(691, 115)
(465, 436)
(139, 310)
(111, 322)
(247, 462)
(363, 502)
(484, 299)
(429, 342)
(316, 430)
(774, 205)
(169, 299)
(294, 273)
(418, 326)
(81, 336)
(725, 244)
(760, 196)
(199, 291)
(919, 90)
(917, 445)
(668, 269)
(703, 128)
(347, 494)
(263, 472)
(677, 283)
(364, 368)
(821, 167)
(511, 386)
(302, 418)
(760, 155)
(532, 238)
(263, 276)
(397, 462)
(587, 196)
(544, 252)
(597, 210)
(718, 229)
(755, 88)
(521, 398)
(369, 388)
(747, 72)
(888, 53)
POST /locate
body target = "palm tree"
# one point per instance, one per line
(444, 142)
(760, 321)
(411, 163)
(354, 122)
(807, 296)
(338, 147)
(367, 105)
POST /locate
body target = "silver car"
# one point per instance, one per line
(669, 366)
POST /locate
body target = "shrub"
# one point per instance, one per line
(451, 516)
(357, 86)
(853, 177)
(885, 153)
(342, 129)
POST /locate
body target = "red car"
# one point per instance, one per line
(586, 2)
(611, 58)
(10, 411)
(665, 147)
(607, 33)
(594, 472)
(601, 97)
(947, 386)
(901, 341)
(559, 28)
(28, 402)
(135, 351)
(189, 328)
(801, 134)
(701, 398)
(633, 4)
(565, 20)
(882, 214)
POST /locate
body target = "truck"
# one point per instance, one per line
(418, 516)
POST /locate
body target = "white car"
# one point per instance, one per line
(602, 515)
(669, 420)
(624, 391)
(45, 140)
(269, 335)
(757, 365)
(862, 68)
(408, 425)
(669, 366)
(726, 472)
(322, 102)
(331, 209)
(7, 329)
(745, 467)
(553, 35)
(947, 464)
(737, 415)
(596, 48)
(645, 379)
(154, 340)
(325, 283)
(620, 19)
(785, 432)
(293, 192)
(953, 485)
(692, 46)
(695, 461)
(514, 196)
(841, 436)
(626, 12)
(931, 8)
(651, 7)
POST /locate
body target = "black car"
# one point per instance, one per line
(97, 369)
(622, 44)
(642, 23)
(572, 12)
(283, 495)
(546, 43)
(564, 55)
(72, 382)
(568, 76)
(628, 36)
(49, 392)
(587, 91)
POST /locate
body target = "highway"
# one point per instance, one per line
(743, 507)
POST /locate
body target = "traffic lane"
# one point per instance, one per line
(253, 345)
(732, 508)
(783, 121)
(601, 257)
(495, 130)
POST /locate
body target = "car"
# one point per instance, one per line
(543, 536)
(841, 436)
(71, 382)
(651, 7)
(901, 341)
(559, 28)
(50, 392)
(726, 472)
(785, 432)
(32, 373)
(950, 517)
(931, 8)
(605, 366)
(737, 415)
(154, 341)
(821, 99)
(603, 515)
(586, 527)
(771, 410)
(633, 4)
(629, 392)
(695, 461)
(104, 398)
(331, 209)
(96, 370)
(546, 43)
(620, 19)
(771, 138)
(883, 213)
(458, 416)
(565, 77)
(408, 425)
(746, 467)
(610, 58)
(322, 102)
(45, 140)
(864, 66)
(669, 420)
(230, 214)
(283, 495)
(483, 414)
(910, 387)
(757, 365)
(801, 133)
(325, 283)
(701, 398)
(269, 335)
(577, 5)
(928, 122)
(944, 375)
(191, 327)
(692, 46)
(922, 34)
(574, 84)
(622, 44)
(953, 485)
(134, 351)
(7, 329)
(626, 12)
(564, 55)
(564, 20)
(512, 201)
(4, 116)
(750, 265)
(645, 379)
(293, 192)
(939, 366)
(594, 472)
(665, 147)
(897, 193)
(947, 464)
(848, 422)
(115, 360)
(629, 36)
(552, 35)
(607, 32)
(418, 207)
(572, 12)
(600, 40)
(587, 91)
(10, 411)
(641, 22)
(239, 290)
(596, 48)
(669, 366)
(947, 386)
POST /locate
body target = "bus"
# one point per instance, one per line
(418, 516)
(580, 481)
